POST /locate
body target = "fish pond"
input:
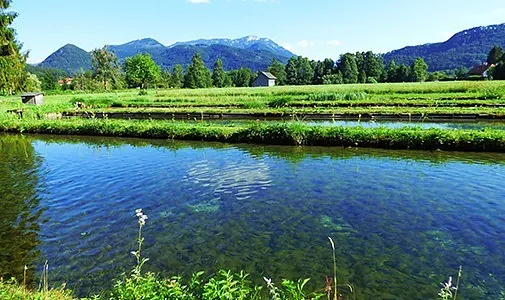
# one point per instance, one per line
(402, 221)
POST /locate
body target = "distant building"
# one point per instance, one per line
(66, 81)
(33, 98)
(481, 71)
(264, 79)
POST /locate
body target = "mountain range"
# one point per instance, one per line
(250, 52)
(463, 50)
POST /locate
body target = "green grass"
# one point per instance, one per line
(291, 133)
(417, 100)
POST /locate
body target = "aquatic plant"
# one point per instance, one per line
(448, 291)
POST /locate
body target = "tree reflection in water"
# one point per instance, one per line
(19, 207)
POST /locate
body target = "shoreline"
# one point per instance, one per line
(292, 133)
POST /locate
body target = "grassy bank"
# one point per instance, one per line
(416, 101)
(291, 133)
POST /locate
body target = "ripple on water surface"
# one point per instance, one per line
(398, 218)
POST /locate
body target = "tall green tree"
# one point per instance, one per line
(304, 71)
(495, 55)
(197, 74)
(177, 77)
(392, 71)
(105, 67)
(419, 70)
(141, 71)
(241, 77)
(12, 62)
(278, 70)
(360, 63)
(373, 65)
(291, 71)
(318, 73)
(349, 68)
(403, 74)
(218, 74)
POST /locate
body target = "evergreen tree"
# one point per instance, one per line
(349, 68)
(291, 71)
(12, 62)
(177, 77)
(419, 70)
(218, 75)
(197, 74)
(278, 70)
(495, 55)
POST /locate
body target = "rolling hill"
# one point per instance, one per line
(69, 58)
(464, 49)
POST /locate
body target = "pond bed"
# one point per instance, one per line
(402, 221)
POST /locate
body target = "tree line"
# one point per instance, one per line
(361, 67)
(140, 71)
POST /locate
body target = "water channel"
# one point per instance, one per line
(402, 221)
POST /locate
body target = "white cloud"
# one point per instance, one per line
(334, 43)
(199, 1)
(306, 43)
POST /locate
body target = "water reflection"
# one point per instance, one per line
(19, 207)
(402, 221)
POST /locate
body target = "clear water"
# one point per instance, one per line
(389, 124)
(402, 221)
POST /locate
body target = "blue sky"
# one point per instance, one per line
(313, 28)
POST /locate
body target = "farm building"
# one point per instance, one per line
(33, 98)
(480, 71)
(264, 79)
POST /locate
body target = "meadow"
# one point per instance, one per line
(75, 112)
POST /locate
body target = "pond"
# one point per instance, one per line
(402, 221)
(467, 125)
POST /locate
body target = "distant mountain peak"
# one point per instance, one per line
(464, 49)
(250, 52)
(250, 42)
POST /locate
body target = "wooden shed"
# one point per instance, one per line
(33, 98)
(264, 79)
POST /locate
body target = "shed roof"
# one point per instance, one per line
(31, 94)
(479, 70)
(268, 75)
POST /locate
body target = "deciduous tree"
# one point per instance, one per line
(278, 70)
(141, 71)
(105, 67)
(419, 70)
(349, 68)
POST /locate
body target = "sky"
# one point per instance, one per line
(316, 29)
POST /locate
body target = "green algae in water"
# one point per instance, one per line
(210, 206)
(339, 226)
